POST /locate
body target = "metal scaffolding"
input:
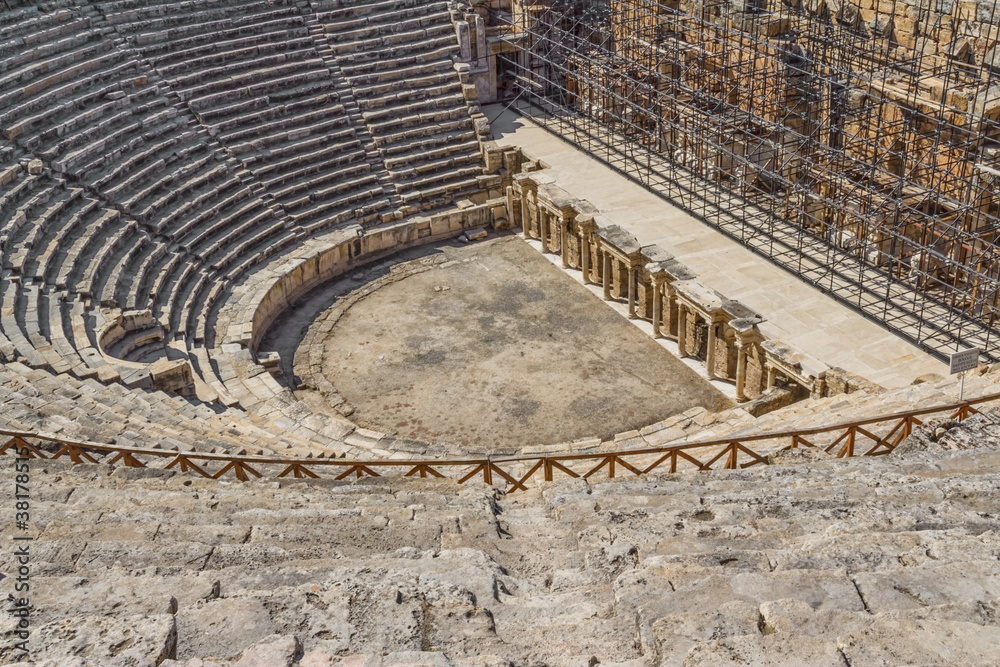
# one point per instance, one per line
(854, 148)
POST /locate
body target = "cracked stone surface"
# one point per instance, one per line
(880, 561)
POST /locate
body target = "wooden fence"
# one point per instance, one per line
(875, 436)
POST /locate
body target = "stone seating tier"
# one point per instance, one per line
(231, 129)
(425, 133)
(335, 10)
(400, 160)
(79, 74)
(317, 124)
(19, 113)
(268, 133)
(303, 178)
(277, 48)
(121, 272)
(888, 560)
(49, 66)
(150, 187)
(16, 52)
(266, 75)
(47, 234)
(88, 409)
(77, 256)
(146, 18)
(376, 98)
(106, 252)
(159, 38)
(398, 58)
(374, 19)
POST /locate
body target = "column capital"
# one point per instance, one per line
(585, 223)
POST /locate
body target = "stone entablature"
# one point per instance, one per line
(721, 332)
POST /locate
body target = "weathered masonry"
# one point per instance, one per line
(721, 332)
(856, 141)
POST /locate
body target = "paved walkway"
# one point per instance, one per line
(796, 312)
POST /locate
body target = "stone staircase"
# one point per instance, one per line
(317, 32)
(252, 76)
(399, 57)
(880, 561)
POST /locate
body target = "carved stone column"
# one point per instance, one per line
(682, 316)
(464, 41)
(607, 275)
(670, 297)
(478, 39)
(585, 225)
(746, 336)
(631, 292)
(564, 223)
(741, 370)
(525, 222)
(509, 191)
(657, 305)
(710, 351)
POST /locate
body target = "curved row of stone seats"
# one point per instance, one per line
(114, 257)
(86, 121)
(135, 205)
(46, 72)
(229, 212)
(43, 222)
(888, 560)
(399, 58)
(251, 74)
(242, 250)
(125, 141)
(86, 409)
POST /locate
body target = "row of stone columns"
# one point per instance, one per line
(681, 305)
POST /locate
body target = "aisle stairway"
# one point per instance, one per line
(399, 58)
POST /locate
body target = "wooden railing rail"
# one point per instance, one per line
(843, 440)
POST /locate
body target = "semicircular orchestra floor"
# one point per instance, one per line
(490, 346)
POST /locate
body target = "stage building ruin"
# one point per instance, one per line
(854, 142)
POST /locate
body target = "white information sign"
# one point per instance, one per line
(962, 361)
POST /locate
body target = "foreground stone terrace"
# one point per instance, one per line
(150, 229)
(883, 561)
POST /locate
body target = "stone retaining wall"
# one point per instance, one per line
(336, 254)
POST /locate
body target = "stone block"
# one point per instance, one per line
(9, 174)
(173, 376)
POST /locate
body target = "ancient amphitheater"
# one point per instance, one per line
(416, 332)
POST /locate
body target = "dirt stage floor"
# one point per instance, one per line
(489, 345)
